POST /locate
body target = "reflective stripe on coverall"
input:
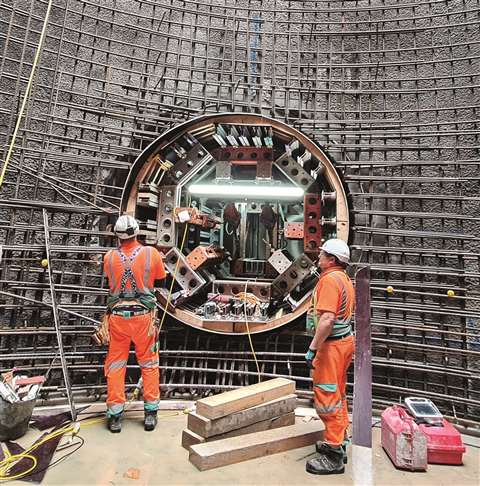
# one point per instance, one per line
(122, 332)
(334, 293)
(329, 386)
(131, 274)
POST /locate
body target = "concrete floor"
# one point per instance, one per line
(160, 459)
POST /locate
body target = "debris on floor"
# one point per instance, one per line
(132, 473)
(15, 388)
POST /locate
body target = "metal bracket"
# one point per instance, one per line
(293, 231)
(188, 166)
(279, 261)
(186, 277)
(261, 157)
(312, 239)
(293, 276)
(261, 290)
(203, 256)
(294, 171)
(165, 217)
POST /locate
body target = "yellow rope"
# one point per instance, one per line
(27, 92)
(248, 333)
(173, 279)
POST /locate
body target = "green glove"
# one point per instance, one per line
(309, 357)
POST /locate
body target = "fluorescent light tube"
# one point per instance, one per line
(246, 191)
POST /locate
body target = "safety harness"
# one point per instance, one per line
(341, 327)
(127, 275)
(136, 292)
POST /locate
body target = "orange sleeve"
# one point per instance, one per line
(157, 265)
(327, 295)
(105, 261)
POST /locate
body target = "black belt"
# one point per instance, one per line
(334, 338)
(130, 311)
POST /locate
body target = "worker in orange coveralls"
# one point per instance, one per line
(330, 354)
(132, 271)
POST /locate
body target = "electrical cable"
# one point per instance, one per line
(10, 460)
(65, 456)
(249, 335)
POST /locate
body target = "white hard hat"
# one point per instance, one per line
(126, 227)
(337, 248)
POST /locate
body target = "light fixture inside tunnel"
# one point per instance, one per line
(248, 191)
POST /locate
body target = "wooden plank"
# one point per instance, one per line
(249, 396)
(210, 455)
(207, 427)
(190, 438)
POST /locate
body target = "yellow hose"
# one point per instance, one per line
(12, 459)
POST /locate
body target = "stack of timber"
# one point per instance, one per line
(249, 422)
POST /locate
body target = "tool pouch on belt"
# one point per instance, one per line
(101, 336)
(154, 323)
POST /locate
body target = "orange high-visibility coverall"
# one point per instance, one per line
(334, 293)
(131, 271)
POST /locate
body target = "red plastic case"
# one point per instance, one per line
(402, 439)
(444, 444)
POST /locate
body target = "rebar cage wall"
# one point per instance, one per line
(390, 88)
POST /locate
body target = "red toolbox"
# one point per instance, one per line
(444, 443)
(402, 439)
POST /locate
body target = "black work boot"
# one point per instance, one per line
(330, 461)
(150, 421)
(319, 446)
(115, 423)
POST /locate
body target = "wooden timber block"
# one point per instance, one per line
(248, 396)
(217, 453)
(206, 427)
(190, 438)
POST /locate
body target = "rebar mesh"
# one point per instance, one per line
(390, 88)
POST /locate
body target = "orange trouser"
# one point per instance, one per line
(329, 385)
(122, 332)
